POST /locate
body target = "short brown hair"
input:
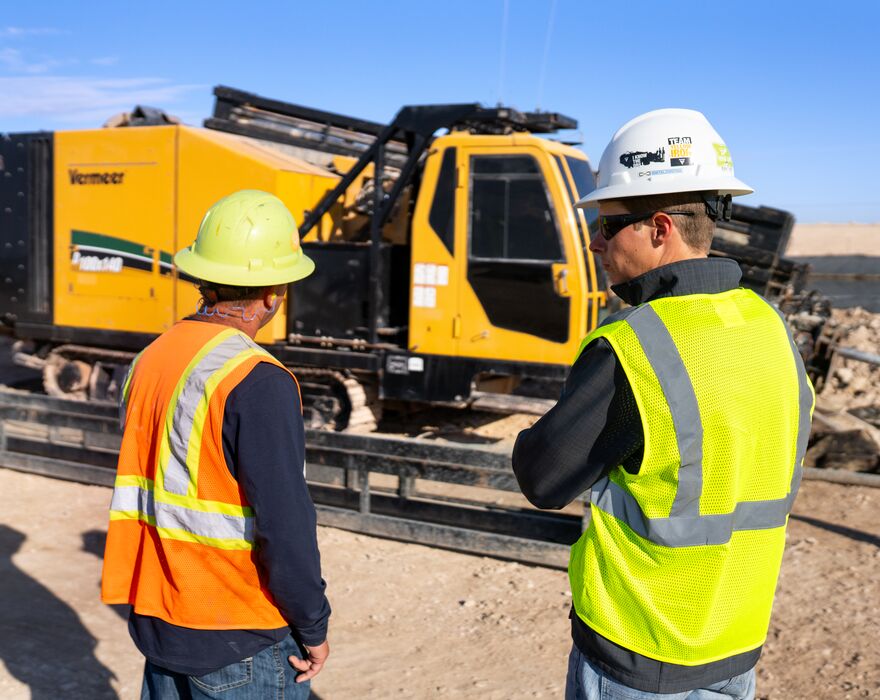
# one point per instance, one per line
(696, 231)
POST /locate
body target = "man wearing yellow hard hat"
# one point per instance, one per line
(212, 536)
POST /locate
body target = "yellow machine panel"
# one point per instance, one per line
(114, 219)
(213, 165)
(435, 325)
(127, 199)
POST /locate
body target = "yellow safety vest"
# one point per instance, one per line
(680, 560)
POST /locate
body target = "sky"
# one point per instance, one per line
(793, 87)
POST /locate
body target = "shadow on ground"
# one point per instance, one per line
(43, 644)
(841, 530)
(94, 542)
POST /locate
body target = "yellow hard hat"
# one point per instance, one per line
(247, 239)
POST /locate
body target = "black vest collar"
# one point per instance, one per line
(697, 276)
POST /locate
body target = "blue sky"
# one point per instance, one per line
(793, 87)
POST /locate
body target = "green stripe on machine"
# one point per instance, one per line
(111, 243)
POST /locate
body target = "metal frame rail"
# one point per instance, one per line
(400, 488)
(80, 441)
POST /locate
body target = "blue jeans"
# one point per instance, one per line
(267, 675)
(586, 682)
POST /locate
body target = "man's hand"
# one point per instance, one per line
(311, 666)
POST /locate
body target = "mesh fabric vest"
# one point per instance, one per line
(180, 544)
(679, 562)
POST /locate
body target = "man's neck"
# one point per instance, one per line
(679, 254)
(229, 320)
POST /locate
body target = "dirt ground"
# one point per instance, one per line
(415, 622)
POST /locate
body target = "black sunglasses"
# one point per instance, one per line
(611, 225)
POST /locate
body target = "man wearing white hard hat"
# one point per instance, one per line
(686, 417)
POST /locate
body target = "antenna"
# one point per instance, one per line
(546, 54)
(503, 51)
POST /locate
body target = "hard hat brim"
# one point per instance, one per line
(194, 265)
(722, 185)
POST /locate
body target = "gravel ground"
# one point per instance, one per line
(415, 622)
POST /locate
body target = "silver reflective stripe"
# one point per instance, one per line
(665, 360)
(685, 527)
(132, 498)
(197, 522)
(214, 525)
(177, 476)
(176, 473)
(692, 530)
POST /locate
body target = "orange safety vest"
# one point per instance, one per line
(180, 544)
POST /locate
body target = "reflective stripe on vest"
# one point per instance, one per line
(171, 503)
(685, 527)
(181, 442)
(219, 525)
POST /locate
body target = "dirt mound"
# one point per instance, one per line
(854, 385)
(846, 424)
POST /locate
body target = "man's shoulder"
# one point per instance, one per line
(596, 366)
(266, 382)
(267, 370)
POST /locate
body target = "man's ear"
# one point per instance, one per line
(662, 231)
(273, 295)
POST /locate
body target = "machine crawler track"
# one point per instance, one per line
(78, 372)
(335, 401)
(332, 400)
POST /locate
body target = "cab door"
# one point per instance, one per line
(517, 301)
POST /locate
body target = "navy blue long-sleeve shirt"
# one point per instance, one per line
(264, 446)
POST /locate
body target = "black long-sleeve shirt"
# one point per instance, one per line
(598, 406)
(596, 427)
(264, 446)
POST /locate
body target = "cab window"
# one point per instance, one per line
(514, 240)
(442, 214)
(511, 215)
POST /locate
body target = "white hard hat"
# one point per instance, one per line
(664, 152)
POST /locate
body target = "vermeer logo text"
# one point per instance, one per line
(78, 178)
